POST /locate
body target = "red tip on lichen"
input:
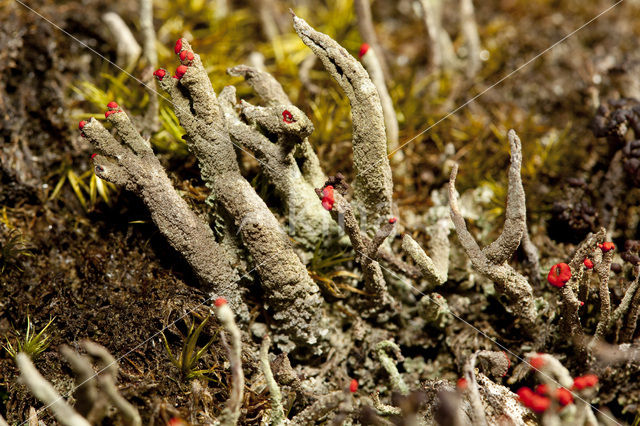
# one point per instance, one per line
(160, 73)
(588, 263)
(393, 220)
(186, 56)
(353, 386)
(178, 46)
(542, 389)
(364, 48)
(81, 124)
(508, 363)
(111, 111)
(112, 105)
(559, 274)
(462, 383)
(581, 303)
(563, 396)
(287, 117)
(93, 155)
(181, 70)
(537, 362)
(607, 246)
(220, 301)
(586, 381)
(327, 197)
(529, 399)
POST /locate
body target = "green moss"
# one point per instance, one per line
(32, 343)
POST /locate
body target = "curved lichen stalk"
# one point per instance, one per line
(373, 187)
(492, 260)
(133, 165)
(308, 221)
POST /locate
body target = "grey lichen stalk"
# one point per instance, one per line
(272, 93)
(577, 285)
(603, 269)
(435, 268)
(366, 249)
(231, 412)
(478, 412)
(397, 382)
(492, 260)
(133, 165)
(277, 412)
(373, 65)
(373, 187)
(307, 219)
(290, 292)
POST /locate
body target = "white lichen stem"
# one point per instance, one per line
(469, 29)
(277, 412)
(44, 392)
(128, 49)
(107, 384)
(231, 413)
(150, 53)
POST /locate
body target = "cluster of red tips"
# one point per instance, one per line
(461, 384)
(113, 108)
(588, 263)
(220, 301)
(364, 48)
(178, 46)
(287, 117)
(186, 56)
(537, 362)
(327, 197)
(393, 220)
(160, 74)
(353, 386)
(562, 395)
(93, 155)
(605, 247)
(559, 274)
(180, 71)
(586, 381)
(535, 402)
(81, 124)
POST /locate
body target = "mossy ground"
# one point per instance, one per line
(103, 270)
